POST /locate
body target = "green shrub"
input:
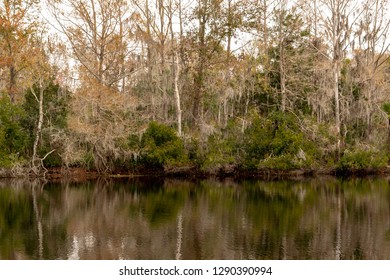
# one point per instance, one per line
(277, 142)
(363, 159)
(283, 162)
(223, 149)
(220, 152)
(13, 138)
(161, 146)
(196, 154)
(386, 108)
(257, 141)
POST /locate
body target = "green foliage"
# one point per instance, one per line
(283, 162)
(55, 107)
(386, 108)
(324, 143)
(220, 152)
(277, 142)
(259, 87)
(161, 146)
(359, 159)
(223, 149)
(133, 142)
(195, 152)
(13, 138)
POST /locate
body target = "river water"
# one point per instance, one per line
(319, 218)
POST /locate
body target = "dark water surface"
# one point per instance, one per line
(322, 218)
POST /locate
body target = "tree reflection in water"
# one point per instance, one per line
(175, 219)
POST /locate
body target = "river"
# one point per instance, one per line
(156, 218)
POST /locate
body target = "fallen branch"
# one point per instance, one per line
(49, 153)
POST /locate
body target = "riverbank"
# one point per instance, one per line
(191, 172)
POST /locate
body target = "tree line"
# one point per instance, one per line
(209, 84)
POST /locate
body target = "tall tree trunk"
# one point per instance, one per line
(163, 81)
(336, 75)
(12, 84)
(197, 109)
(177, 95)
(149, 62)
(282, 59)
(38, 131)
(175, 69)
(337, 32)
(122, 59)
(230, 33)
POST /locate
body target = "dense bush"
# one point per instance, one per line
(161, 146)
(222, 149)
(13, 138)
(277, 142)
(359, 159)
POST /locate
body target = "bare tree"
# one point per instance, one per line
(371, 53)
(98, 32)
(176, 63)
(338, 18)
(17, 26)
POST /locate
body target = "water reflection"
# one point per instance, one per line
(173, 219)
